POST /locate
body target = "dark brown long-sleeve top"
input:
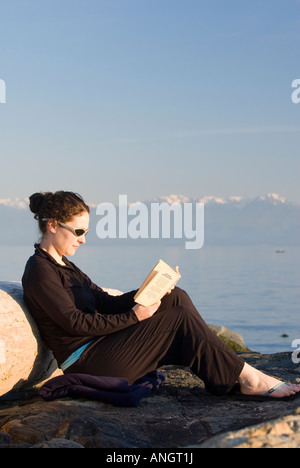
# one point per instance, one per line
(69, 309)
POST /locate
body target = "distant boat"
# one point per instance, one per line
(280, 251)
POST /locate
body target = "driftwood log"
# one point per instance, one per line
(24, 359)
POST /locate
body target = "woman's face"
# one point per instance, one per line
(65, 241)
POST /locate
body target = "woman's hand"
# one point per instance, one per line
(170, 290)
(144, 313)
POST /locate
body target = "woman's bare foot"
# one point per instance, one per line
(254, 382)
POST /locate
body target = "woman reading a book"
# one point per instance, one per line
(92, 332)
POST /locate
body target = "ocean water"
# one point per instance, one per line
(252, 290)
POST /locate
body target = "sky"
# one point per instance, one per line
(149, 98)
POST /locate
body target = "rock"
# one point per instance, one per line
(4, 440)
(58, 443)
(283, 432)
(24, 359)
(180, 414)
(233, 339)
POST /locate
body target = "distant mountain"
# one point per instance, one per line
(268, 219)
(270, 199)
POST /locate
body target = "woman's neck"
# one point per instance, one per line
(51, 250)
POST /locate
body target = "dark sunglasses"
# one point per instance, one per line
(78, 232)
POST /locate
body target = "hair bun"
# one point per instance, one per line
(37, 202)
(61, 206)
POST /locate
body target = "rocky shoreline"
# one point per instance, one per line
(179, 414)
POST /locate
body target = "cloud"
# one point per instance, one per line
(14, 203)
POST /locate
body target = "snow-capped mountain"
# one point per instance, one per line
(271, 198)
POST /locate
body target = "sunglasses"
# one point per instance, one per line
(78, 232)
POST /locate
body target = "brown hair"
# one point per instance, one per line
(60, 205)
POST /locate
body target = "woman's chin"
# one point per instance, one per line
(70, 252)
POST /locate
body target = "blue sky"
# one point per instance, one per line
(150, 97)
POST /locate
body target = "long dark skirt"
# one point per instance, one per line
(176, 334)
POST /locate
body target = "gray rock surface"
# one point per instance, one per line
(180, 414)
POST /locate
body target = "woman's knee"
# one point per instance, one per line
(181, 314)
(178, 297)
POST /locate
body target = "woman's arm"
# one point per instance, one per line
(105, 302)
(47, 299)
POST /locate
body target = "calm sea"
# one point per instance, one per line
(252, 290)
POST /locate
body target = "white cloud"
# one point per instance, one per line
(14, 203)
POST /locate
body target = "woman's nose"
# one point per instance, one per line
(82, 239)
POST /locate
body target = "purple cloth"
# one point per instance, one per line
(114, 390)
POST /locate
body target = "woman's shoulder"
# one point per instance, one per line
(37, 266)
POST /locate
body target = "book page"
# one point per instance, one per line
(159, 281)
(149, 278)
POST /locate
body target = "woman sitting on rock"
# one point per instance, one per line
(92, 332)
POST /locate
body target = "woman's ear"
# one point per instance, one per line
(52, 225)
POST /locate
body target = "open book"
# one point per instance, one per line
(157, 284)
